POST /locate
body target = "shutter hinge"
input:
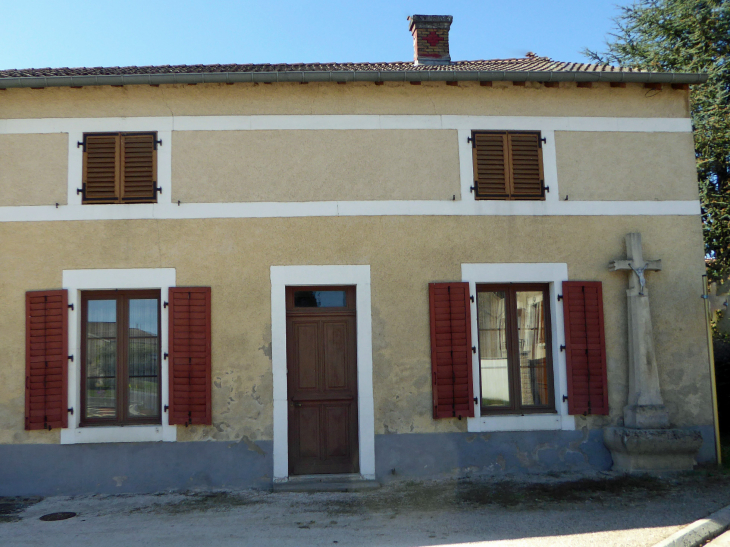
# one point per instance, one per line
(164, 355)
(470, 139)
(473, 349)
(560, 297)
(473, 188)
(71, 411)
(542, 140)
(158, 143)
(565, 398)
(545, 188)
(158, 189)
(165, 408)
(471, 298)
(81, 144)
(562, 348)
(71, 358)
(71, 306)
(165, 304)
(81, 190)
(476, 401)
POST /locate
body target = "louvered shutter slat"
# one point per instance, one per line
(490, 165)
(190, 355)
(451, 365)
(101, 168)
(527, 175)
(46, 362)
(139, 168)
(585, 347)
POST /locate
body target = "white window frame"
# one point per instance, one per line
(549, 166)
(287, 276)
(76, 281)
(553, 274)
(123, 125)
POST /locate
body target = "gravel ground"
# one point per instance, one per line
(603, 510)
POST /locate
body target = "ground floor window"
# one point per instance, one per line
(120, 357)
(515, 362)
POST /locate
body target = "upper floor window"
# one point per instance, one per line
(120, 168)
(508, 165)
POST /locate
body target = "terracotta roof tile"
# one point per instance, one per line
(527, 64)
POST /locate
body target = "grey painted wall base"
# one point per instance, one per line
(119, 468)
(497, 453)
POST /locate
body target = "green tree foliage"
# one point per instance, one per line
(689, 36)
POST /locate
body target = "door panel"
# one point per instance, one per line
(322, 389)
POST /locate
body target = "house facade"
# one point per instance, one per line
(231, 276)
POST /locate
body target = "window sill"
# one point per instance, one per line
(117, 434)
(528, 422)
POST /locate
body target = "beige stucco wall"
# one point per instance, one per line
(33, 169)
(617, 166)
(220, 166)
(468, 98)
(233, 256)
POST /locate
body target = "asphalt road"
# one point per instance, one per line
(567, 511)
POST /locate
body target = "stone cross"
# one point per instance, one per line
(645, 407)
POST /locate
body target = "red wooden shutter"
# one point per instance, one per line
(190, 356)
(139, 168)
(46, 359)
(490, 154)
(451, 362)
(585, 347)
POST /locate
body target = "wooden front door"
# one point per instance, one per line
(322, 380)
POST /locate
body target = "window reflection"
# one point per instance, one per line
(493, 349)
(101, 359)
(319, 299)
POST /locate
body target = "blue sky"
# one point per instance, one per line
(58, 33)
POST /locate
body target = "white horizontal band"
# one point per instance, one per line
(44, 213)
(344, 122)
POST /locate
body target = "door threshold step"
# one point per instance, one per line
(326, 483)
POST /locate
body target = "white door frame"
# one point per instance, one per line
(359, 276)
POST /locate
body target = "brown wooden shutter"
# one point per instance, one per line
(451, 352)
(190, 356)
(139, 168)
(526, 166)
(491, 165)
(46, 359)
(585, 347)
(101, 176)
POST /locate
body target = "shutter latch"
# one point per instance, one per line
(473, 349)
(470, 139)
(472, 188)
(164, 355)
(71, 358)
(562, 348)
(158, 189)
(71, 411)
(543, 140)
(165, 408)
(565, 398)
(158, 143)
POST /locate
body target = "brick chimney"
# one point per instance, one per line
(430, 39)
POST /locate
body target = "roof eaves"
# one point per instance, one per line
(352, 76)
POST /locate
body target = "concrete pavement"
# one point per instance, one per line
(574, 511)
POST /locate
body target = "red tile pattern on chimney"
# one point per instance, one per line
(433, 39)
(430, 38)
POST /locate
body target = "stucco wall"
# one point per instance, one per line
(233, 256)
(220, 166)
(618, 166)
(33, 169)
(468, 98)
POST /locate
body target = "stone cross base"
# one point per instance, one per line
(639, 450)
(646, 416)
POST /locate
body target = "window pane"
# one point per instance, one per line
(319, 299)
(101, 359)
(533, 355)
(493, 365)
(143, 359)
